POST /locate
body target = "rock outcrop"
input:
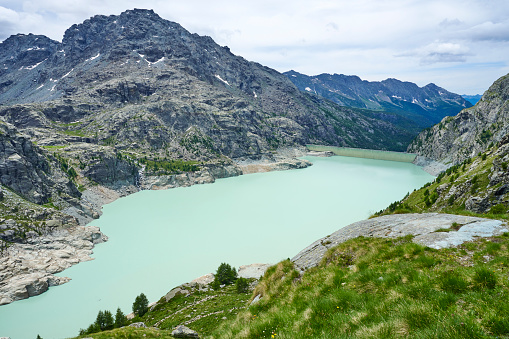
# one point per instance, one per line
(423, 227)
(28, 269)
(472, 131)
(182, 331)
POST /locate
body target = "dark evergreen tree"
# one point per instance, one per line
(120, 319)
(108, 321)
(140, 305)
(99, 320)
(226, 274)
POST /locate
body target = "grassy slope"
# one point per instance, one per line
(202, 311)
(378, 288)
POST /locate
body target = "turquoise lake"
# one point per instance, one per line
(161, 239)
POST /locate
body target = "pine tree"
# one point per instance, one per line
(226, 274)
(140, 305)
(120, 319)
(108, 321)
(99, 320)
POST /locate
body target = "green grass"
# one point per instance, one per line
(53, 147)
(131, 333)
(169, 166)
(384, 289)
(202, 311)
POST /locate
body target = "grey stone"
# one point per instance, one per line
(175, 292)
(421, 226)
(138, 325)
(182, 331)
(256, 299)
(255, 271)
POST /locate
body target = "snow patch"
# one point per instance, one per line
(226, 82)
(308, 89)
(395, 96)
(153, 63)
(53, 88)
(293, 75)
(65, 76)
(40, 87)
(93, 58)
(414, 101)
(33, 66)
(256, 96)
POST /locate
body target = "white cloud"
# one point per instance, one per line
(362, 37)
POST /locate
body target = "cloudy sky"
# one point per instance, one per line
(461, 45)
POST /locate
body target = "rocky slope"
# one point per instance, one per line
(472, 131)
(425, 106)
(479, 185)
(28, 268)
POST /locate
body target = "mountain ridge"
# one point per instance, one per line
(425, 105)
(472, 131)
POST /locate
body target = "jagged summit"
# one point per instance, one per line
(424, 105)
(472, 131)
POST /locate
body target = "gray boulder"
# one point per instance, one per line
(182, 331)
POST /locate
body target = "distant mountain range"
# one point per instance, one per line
(473, 99)
(425, 106)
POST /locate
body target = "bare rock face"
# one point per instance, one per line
(422, 226)
(25, 169)
(255, 271)
(27, 269)
(457, 138)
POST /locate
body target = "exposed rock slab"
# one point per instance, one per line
(28, 269)
(422, 226)
(182, 331)
(255, 271)
(249, 166)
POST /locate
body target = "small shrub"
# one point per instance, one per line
(484, 278)
(498, 209)
(215, 285)
(242, 285)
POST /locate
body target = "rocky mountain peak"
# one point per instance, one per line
(472, 131)
(25, 50)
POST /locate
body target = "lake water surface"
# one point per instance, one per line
(160, 239)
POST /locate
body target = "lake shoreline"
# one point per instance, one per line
(24, 277)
